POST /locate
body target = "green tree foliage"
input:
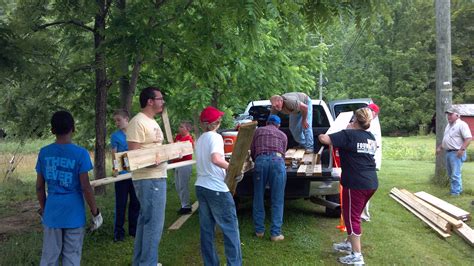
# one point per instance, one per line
(393, 62)
(220, 53)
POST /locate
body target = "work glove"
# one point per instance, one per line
(239, 178)
(96, 222)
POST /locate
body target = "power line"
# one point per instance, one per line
(355, 40)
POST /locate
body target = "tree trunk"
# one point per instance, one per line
(101, 94)
(124, 82)
(443, 82)
(128, 95)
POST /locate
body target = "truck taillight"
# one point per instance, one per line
(335, 155)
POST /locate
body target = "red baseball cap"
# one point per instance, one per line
(374, 107)
(210, 114)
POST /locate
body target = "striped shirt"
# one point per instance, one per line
(268, 139)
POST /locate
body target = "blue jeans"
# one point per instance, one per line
(182, 175)
(122, 190)
(151, 194)
(454, 167)
(303, 136)
(269, 169)
(218, 208)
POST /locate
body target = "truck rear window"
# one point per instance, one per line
(261, 113)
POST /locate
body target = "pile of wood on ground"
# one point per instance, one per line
(440, 215)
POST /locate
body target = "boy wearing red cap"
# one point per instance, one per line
(216, 205)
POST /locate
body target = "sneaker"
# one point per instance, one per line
(184, 211)
(352, 259)
(343, 247)
(308, 151)
(277, 238)
(259, 235)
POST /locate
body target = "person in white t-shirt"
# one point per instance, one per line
(216, 204)
(457, 137)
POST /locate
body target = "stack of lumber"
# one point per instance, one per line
(293, 155)
(436, 213)
(308, 164)
(136, 159)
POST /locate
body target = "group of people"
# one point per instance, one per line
(64, 167)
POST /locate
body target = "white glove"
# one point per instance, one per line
(239, 178)
(96, 221)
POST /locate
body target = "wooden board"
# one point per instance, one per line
(435, 219)
(183, 218)
(136, 159)
(466, 233)
(166, 123)
(113, 179)
(454, 222)
(428, 222)
(298, 155)
(289, 154)
(308, 158)
(309, 170)
(239, 154)
(450, 209)
(341, 122)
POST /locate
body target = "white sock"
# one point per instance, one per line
(357, 254)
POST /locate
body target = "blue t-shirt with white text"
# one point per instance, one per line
(61, 165)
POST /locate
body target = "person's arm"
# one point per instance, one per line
(88, 193)
(133, 145)
(304, 114)
(40, 192)
(464, 146)
(218, 159)
(325, 139)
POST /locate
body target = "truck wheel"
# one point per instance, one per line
(333, 212)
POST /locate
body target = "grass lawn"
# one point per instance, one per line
(393, 237)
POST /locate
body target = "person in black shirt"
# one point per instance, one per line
(359, 181)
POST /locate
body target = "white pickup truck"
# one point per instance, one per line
(324, 189)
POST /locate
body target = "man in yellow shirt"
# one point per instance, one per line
(150, 182)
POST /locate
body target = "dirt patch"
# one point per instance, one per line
(26, 219)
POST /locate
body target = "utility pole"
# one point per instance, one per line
(444, 93)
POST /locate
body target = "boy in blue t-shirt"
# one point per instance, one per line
(64, 167)
(123, 188)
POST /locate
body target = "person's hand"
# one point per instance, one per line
(157, 159)
(438, 150)
(460, 153)
(96, 221)
(305, 124)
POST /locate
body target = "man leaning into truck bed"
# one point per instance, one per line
(267, 150)
(300, 110)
